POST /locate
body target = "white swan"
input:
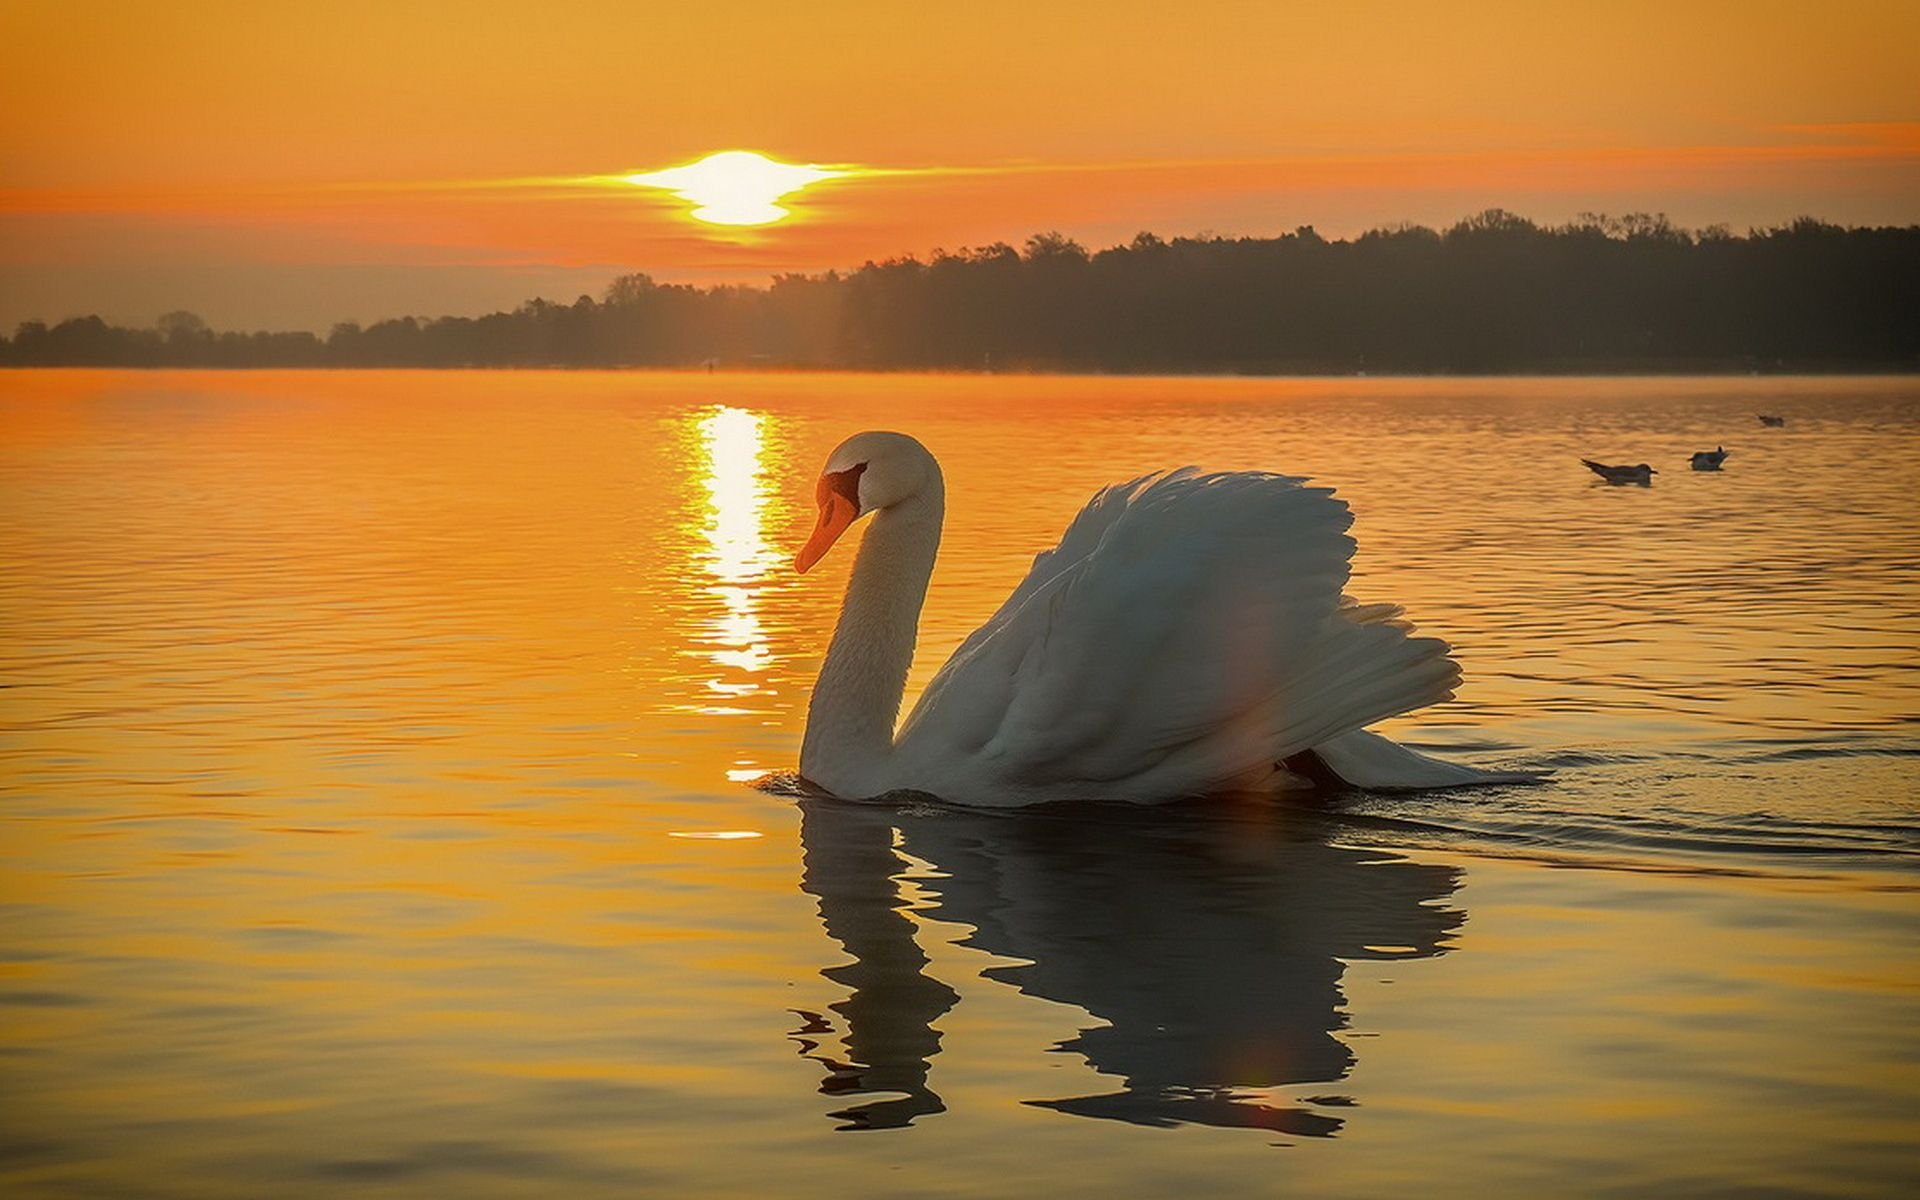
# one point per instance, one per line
(1187, 635)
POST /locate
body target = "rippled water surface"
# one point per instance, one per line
(376, 755)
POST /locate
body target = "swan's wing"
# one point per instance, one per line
(973, 668)
(1189, 628)
(1079, 541)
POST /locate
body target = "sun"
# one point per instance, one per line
(735, 187)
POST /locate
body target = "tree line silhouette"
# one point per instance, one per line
(1493, 293)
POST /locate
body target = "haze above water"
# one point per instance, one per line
(376, 811)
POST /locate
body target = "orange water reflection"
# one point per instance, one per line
(737, 559)
(738, 556)
(339, 783)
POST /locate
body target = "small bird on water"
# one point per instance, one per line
(1641, 474)
(1771, 422)
(1709, 460)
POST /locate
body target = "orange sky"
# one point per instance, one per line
(288, 165)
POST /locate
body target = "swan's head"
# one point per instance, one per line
(868, 472)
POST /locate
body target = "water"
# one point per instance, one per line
(376, 812)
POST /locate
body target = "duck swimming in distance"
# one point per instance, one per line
(1709, 460)
(1188, 635)
(1640, 473)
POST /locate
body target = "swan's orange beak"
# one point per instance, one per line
(836, 516)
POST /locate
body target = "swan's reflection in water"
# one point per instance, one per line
(1210, 945)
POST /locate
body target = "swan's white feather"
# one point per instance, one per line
(1188, 632)
(1367, 760)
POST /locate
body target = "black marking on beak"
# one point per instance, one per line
(845, 484)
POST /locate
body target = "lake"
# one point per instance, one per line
(379, 811)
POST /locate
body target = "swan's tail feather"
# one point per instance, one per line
(1366, 760)
(1364, 668)
(1367, 669)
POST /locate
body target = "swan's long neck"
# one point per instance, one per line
(856, 700)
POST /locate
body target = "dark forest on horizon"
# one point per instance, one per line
(1494, 293)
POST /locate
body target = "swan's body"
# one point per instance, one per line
(1188, 633)
(1639, 473)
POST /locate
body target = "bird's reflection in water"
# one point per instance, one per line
(1209, 941)
(849, 864)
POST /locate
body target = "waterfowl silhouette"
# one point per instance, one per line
(1641, 473)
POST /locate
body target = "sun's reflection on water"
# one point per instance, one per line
(737, 556)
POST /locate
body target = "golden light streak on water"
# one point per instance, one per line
(738, 556)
